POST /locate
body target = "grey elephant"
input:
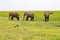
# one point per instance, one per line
(13, 15)
(47, 14)
(29, 14)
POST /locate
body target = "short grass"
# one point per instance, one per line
(30, 30)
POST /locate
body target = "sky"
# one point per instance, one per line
(23, 5)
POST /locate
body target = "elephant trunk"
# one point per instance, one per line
(24, 17)
(9, 16)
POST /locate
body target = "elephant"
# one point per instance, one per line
(28, 14)
(13, 15)
(47, 14)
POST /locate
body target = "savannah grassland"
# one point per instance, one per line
(30, 30)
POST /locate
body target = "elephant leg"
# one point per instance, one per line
(46, 18)
(17, 18)
(32, 18)
(27, 18)
(11, 18)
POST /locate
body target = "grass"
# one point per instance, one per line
(30, 30)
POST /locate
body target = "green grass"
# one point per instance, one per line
(30, 30)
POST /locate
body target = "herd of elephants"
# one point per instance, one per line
(29, 14)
